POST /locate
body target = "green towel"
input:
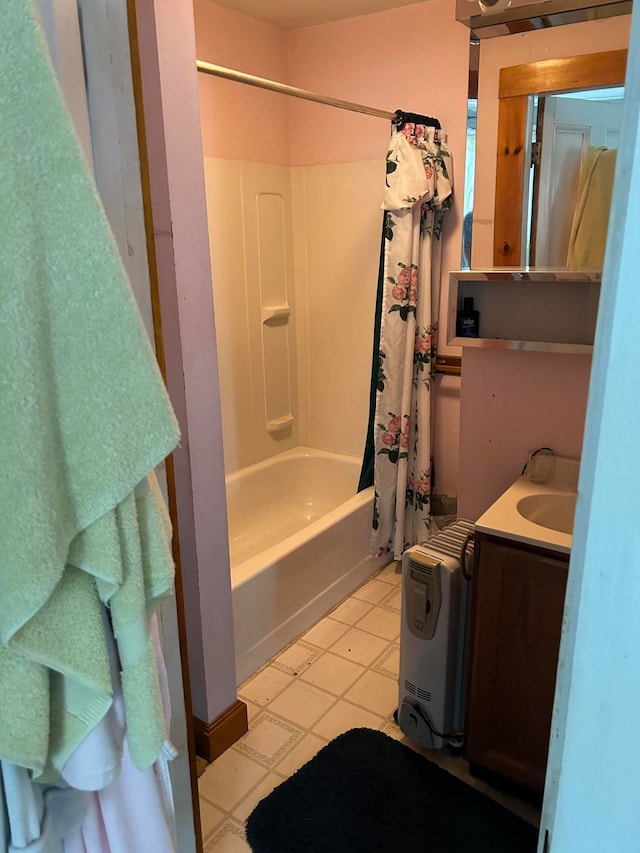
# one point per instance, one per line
(84, 418)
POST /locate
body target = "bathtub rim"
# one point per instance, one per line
(245, 570)
(301, 451)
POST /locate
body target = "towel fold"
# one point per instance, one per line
(588, 238)
(125, 816)
(84, 418)
(36, 818)
(126, 807)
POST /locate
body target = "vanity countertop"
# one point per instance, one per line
(503, 518)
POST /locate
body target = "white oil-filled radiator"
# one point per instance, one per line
(433, 638)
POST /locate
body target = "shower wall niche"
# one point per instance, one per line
(294, 278)
(275, 313)
(251, 240)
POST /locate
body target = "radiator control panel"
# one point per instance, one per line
(423, 597)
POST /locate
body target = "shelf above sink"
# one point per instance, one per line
(528, 309)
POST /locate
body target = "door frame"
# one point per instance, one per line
(590, 798)
(169, 462)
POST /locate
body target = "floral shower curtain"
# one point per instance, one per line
(418, 190)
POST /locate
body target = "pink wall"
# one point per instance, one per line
(510, 402)
(415, 57)
(447, 435)
(241, 122)
(355, 59)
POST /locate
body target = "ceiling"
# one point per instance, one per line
(304, 13)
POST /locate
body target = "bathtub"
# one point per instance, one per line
(299, 541)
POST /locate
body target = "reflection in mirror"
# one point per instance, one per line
(558, 59)
(472, 109)
(514, 175)
(573, 153)
(470, 158)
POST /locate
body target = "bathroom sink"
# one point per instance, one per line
(555, 511)
(538, 514)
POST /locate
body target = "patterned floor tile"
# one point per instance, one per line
(372, 591)
(383, 623)
(302, 752)
(210, 817)
(375, 693)
(393, 600)
(229, 838)
(325, 633)
(350, 611)
(359, 646)
(296, 657)
(392, 573)
(229, 779)
(333, 673)
(269, 739)
(302, 704)
(265, 685)
(389, 662)
(344, 716)
(337, 676)
(262, 790)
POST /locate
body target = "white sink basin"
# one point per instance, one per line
(538, 514)
(555, 511)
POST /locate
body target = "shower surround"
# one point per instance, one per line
(294, 364)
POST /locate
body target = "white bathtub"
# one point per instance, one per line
(299, 538)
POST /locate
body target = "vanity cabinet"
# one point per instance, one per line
(517, 609)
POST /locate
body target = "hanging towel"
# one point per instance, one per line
(126, 808)
(126, 816)
(36, 817)
(84, 418)
(591, 219)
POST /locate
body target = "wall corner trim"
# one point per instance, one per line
(212, 739)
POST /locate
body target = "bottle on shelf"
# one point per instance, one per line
(467, 320)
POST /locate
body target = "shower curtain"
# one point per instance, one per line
(418, 190)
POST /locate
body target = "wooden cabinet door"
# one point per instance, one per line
(518, 600)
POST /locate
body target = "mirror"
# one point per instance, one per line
(575, 137)
(507, 197)
(514, 146)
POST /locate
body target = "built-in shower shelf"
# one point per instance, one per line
(527, 309)
(278, 424)
(275, 313)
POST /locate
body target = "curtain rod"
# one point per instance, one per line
(283, 88)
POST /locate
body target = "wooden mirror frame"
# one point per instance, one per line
(517, 83)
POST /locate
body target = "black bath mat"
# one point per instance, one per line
(366, 793)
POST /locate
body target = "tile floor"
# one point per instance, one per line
(340, 674)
